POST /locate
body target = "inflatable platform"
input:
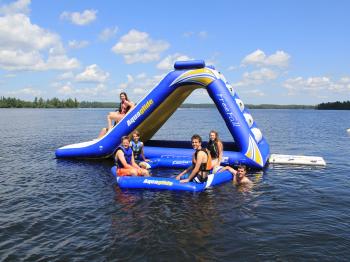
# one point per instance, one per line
(248, 145)
(163, 183)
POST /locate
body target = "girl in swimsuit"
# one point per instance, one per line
(215, 148)
(124, 106)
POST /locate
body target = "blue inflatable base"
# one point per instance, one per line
(164, 183)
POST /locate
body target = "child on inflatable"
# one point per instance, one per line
(137, 149)
(126, 162)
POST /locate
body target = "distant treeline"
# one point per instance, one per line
(263, 106)
(11, 102)
(334, 106)
(85, 104)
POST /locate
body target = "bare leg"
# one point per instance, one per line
(114, 116)
(102, 132)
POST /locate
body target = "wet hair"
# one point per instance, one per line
(244, 167)
(124, 137)
(196, 136)
(216, 135)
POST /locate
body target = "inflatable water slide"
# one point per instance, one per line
(248, 146)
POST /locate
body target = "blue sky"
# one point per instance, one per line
(280, 52)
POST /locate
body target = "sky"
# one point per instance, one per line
(271, 52)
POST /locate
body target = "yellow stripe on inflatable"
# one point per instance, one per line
(203, 80)
(253, 152)
(203, 76)
(197, 71)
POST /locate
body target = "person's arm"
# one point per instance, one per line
(129, 103)
(232, 171)
(182, 173)
(221, 151)
(143, 154)
(195, 170)
(120, 156)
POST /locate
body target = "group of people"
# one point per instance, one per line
(204, 160)
(131, 160)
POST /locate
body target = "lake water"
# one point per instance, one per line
(69, 210)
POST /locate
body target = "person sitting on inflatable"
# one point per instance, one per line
(125, 160)
(215, 148)
(125, 106)
(137, 149)
(201, 164)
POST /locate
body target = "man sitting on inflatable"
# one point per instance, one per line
(201, 164)
(125, 160)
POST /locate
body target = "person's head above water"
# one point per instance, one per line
(241, 172)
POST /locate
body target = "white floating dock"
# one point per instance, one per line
(296, 160)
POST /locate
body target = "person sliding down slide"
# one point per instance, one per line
(201, 164)
(125, 160)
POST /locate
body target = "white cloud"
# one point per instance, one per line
(140, 84)
(66, 75)
(315, 85)
(92, 73)
(20, 6)
(232, 68)
(108, 33)
(138, 46)
(84, 18)
(259, 58)
(202, 34)
(67, 89)
(75, 44)
(257, 77)
(26, 46)
(253, 93)
(10, 75)
(188, 34)
(17, 32)
(26, 91)
(168, 62)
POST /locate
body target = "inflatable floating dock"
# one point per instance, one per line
(163, 183)
(248, 145)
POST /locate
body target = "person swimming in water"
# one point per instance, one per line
(239, 175)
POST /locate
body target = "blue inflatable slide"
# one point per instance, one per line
(248, 147)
